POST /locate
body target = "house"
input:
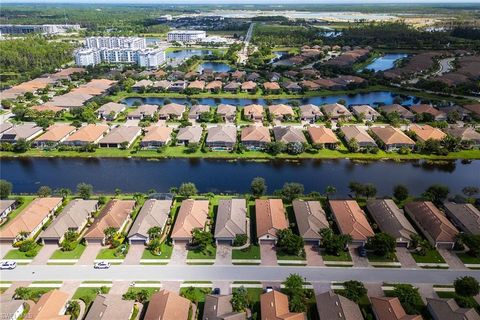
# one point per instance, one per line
(473, 108)
(156, 136)
(154, 213)
(426, 132)
(231, 220)
(191, 75)
(6, 206)
(193, 214)
(464, 215)
(255, 137)
(110, 110)
(74, 217)
(89, 134)
(162, 85)
(365, 112)
(429, 109)
(311, 218)
(351, 220)
(323, 136)
(197, 85)
(191, 134)
(273, 76)
(253, 112)
(336, 111)
(359, 134)
(27, 131)
(291, 86)
(466, 134)
(43, 108)
(54, 135)
(221, 137)
(391, 138)
(120, 137)
(171, 111)
(391, 220)
(281, 112)
(249, 86)
(51, 306)
(332, 306)
(30, 220)
(271, 87)
(238, 75)
(434, 225)
(143, 111)
(218, 307)
(390, 308)
(142, 85)
(214, 86)
(254, 76)
(110, 306)
(197, 110)
(309, 85)
(270, 218)
(329, 84)
(12, 309)
(232, 86)
(310, 113)
(448, 309)
(177, 86)
(227, 112)
(115, 214)
(289, 134)
(176, 75)
(274, 306)
(4, 126)
(168, 305)
(403, 112)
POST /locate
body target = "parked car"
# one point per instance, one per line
(102, 265)
(268, 289)
(8, 265)
(216, 291)
(362, 252)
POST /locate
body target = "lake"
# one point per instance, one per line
(216, 175)
(215, 66)
(371, 98)
(385, 62)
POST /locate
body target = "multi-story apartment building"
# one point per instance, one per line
(34, 28)
(133, 43)
(186, 35)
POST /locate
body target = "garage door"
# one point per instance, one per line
(50, 241)
(136, 241)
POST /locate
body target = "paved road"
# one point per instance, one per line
(243, 54)
(232, 273)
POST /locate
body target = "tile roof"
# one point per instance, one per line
(322, 134)
(121, 134)
(255, 134)
(448, 309)
(389, 308)
(154, 213)
(391, 136)
(289, 134)
(254, 110)
(21, 131)
(280, 110)
(335, 110)
(143, 110)
(332, 306)
(222, 133)
(351, 219)
(49, 306)
(113, 215)
(89, 133)
(402, 111)
(358, 133)
(192, 133)
(193, 214)
(466, 214)
(366, 110)
(218, 307)
(274, 306)
(199, 109)
(157, 133)
(310, 217)
(231, 218)
(426, 132)
(166, 305)
(56, 132)
(270, 217)
(310, 110)
(226, 110)
(172, 109)
(110, 306)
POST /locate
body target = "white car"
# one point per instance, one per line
(8, 265)
(102, 265)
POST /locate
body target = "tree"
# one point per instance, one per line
(436, 193)
(154, 232)
(409, 298)
(187, 189)
(64, 192)
(356, 188)
(118, 191)
(84, 190)
(330, 190)
(472, 241)
(400, 192)
(73, 309)
(290, 243)
(201, 239)
(258, 187)
(470, 191)
(295, 292)
(291, 191)
(44, 191)
(354, 290)
(382, 244)
(240, 240)
(240, 299)
(466, 286)
(5, 189)
(334, 243)
(275, 148)
(352, 145)
(369, 190)
(22, 145)
(295, 148)
(110, 233)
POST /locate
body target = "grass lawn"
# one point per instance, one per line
(88, 295)
(150, 290)
(36, 293)
(282, 256)
(74, 254)
(374, 258)
(466, 258)
(16, 254)
(165, 254)
(344, 256)
(108, 253)
(196, 295)
(431, 256)
(209, 253)
(447, 295)
(252, 252)
(254, 299)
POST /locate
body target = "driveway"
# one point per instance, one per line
(224, 286)
(70, 287)
(321, 287)
(4, 248)
(179, 253)
(173, 286)
(90, 253)
(268, 254)
(405, 258)
(44, 254)
(451, 259)
(357, 260)
(374, 289)
(119, 287)
(426, 291)
(134, 254)
(314, 258)
(224, 254)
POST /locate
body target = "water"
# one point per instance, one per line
(371, 98)
(385, 62)
(278, 56)
(215, 66)
(131, 175)
(187, 53)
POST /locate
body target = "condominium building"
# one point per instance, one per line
(133, 43)
(186, 35)
(149, 58)
(38, 28)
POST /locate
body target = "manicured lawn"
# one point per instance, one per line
(150, 290)
(344, 256)
(16, 254)
(252, 252)
(36, 293)
(208, 253)
(431, 256)
(254, 299)
(165, 254)
(374, 258)
(88, 295)
(108, 253)
(197, 295)
(282, 256)
(466, 258)
(74, 254)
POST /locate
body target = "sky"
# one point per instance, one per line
(244, 1)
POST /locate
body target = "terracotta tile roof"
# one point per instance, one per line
(226, 110)
(30, 217)
(322, 135)
(430, 219)
(214, 85)
(193, 214)
(198, 109)
(56, 132)
(255, 134)
(332, 306)
(389, 308)
(172, 109)
(166, 305)
(358, 133)
(274, 306)
(157, 133)
(114, 214)
(49, 306)
(254, 110)
(310, 217)
(231, 218)
(426, 132)
(222, 133)
(351, 219)
(392, 136)
(271, 86)
(43, 108)
(249, 85)
(144, 110)
(426, 108)
(89, 133)
(280, 110)
(289, 134)
(270, 217)
(197, 84)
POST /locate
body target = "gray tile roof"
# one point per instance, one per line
(310, 218)
(448, 309)
(222, 134)
(154, 213)
(466, 214)
(332, 306)
(289, 134)
(231, 218)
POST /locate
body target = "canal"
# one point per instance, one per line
(131, 175)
